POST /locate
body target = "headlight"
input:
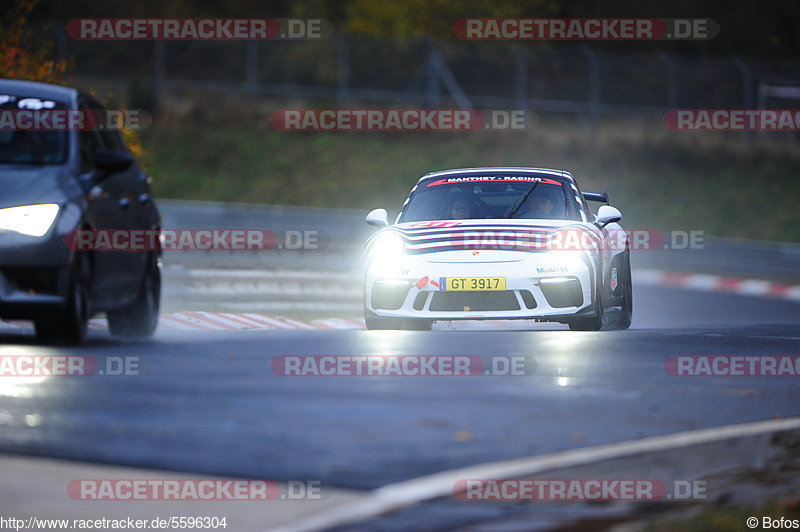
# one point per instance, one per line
(387, 250)
(389, 245)
(31, 220)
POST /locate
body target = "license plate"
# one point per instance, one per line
(472, 284)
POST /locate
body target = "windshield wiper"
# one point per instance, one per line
(520, 202)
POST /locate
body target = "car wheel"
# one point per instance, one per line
(69, 326)
(621, 319)
(594, 323)
(140, 318)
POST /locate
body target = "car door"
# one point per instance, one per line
(111, 208)
(137, 208)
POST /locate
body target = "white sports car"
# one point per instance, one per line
(498, 243)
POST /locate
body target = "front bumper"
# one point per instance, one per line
(412, 289)
(34, 275)
(19, 299)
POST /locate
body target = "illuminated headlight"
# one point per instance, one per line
(389, 245)
(387, 249)
(31, 220)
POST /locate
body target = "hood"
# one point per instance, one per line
(30, 184)
(498, 240)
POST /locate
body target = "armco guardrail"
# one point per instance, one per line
(266, 291)
(325, 278)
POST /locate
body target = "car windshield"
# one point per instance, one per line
(19, 146)
(492, 196)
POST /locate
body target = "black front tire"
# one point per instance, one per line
(140, 318)
(593, 323)
(621, 319)
(69, 326)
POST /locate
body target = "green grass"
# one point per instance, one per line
(726, 519)
(658, 179)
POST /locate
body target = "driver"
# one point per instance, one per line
(538, 206)
(460, 209)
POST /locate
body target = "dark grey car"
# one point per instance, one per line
(52, 184)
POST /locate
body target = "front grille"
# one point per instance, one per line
(388, 296)
(564, 294)
(528, 299)
(474, 301)
(43, 280)
(419, 301)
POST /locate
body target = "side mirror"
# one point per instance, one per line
(112, 161)
(607, 214)
(378, 218)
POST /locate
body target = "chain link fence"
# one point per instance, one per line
(576, 79)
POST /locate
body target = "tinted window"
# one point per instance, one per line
(19, 143)
(88, 143)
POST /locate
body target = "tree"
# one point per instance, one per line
(22, 56)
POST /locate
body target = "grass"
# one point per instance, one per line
(728, 519)
(659, 179)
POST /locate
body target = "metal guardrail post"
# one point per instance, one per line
(343, 58)
(251, 67)
(521, 77)
(432, 89)
(595, 88)
(672, 79)
(747, 90)
(160, 69)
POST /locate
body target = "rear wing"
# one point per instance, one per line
(596, 196)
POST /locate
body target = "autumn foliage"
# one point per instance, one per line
(22, 56)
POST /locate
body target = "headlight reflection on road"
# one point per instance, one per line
(21, 387)
(387, 342)
(18, 386)
(564, 349)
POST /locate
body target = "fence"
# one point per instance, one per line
(588, 81)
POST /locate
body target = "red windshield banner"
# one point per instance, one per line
(490, 179)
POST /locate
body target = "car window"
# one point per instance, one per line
(491, 198)
(88, 143)
(21, 146)
(109, 138)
